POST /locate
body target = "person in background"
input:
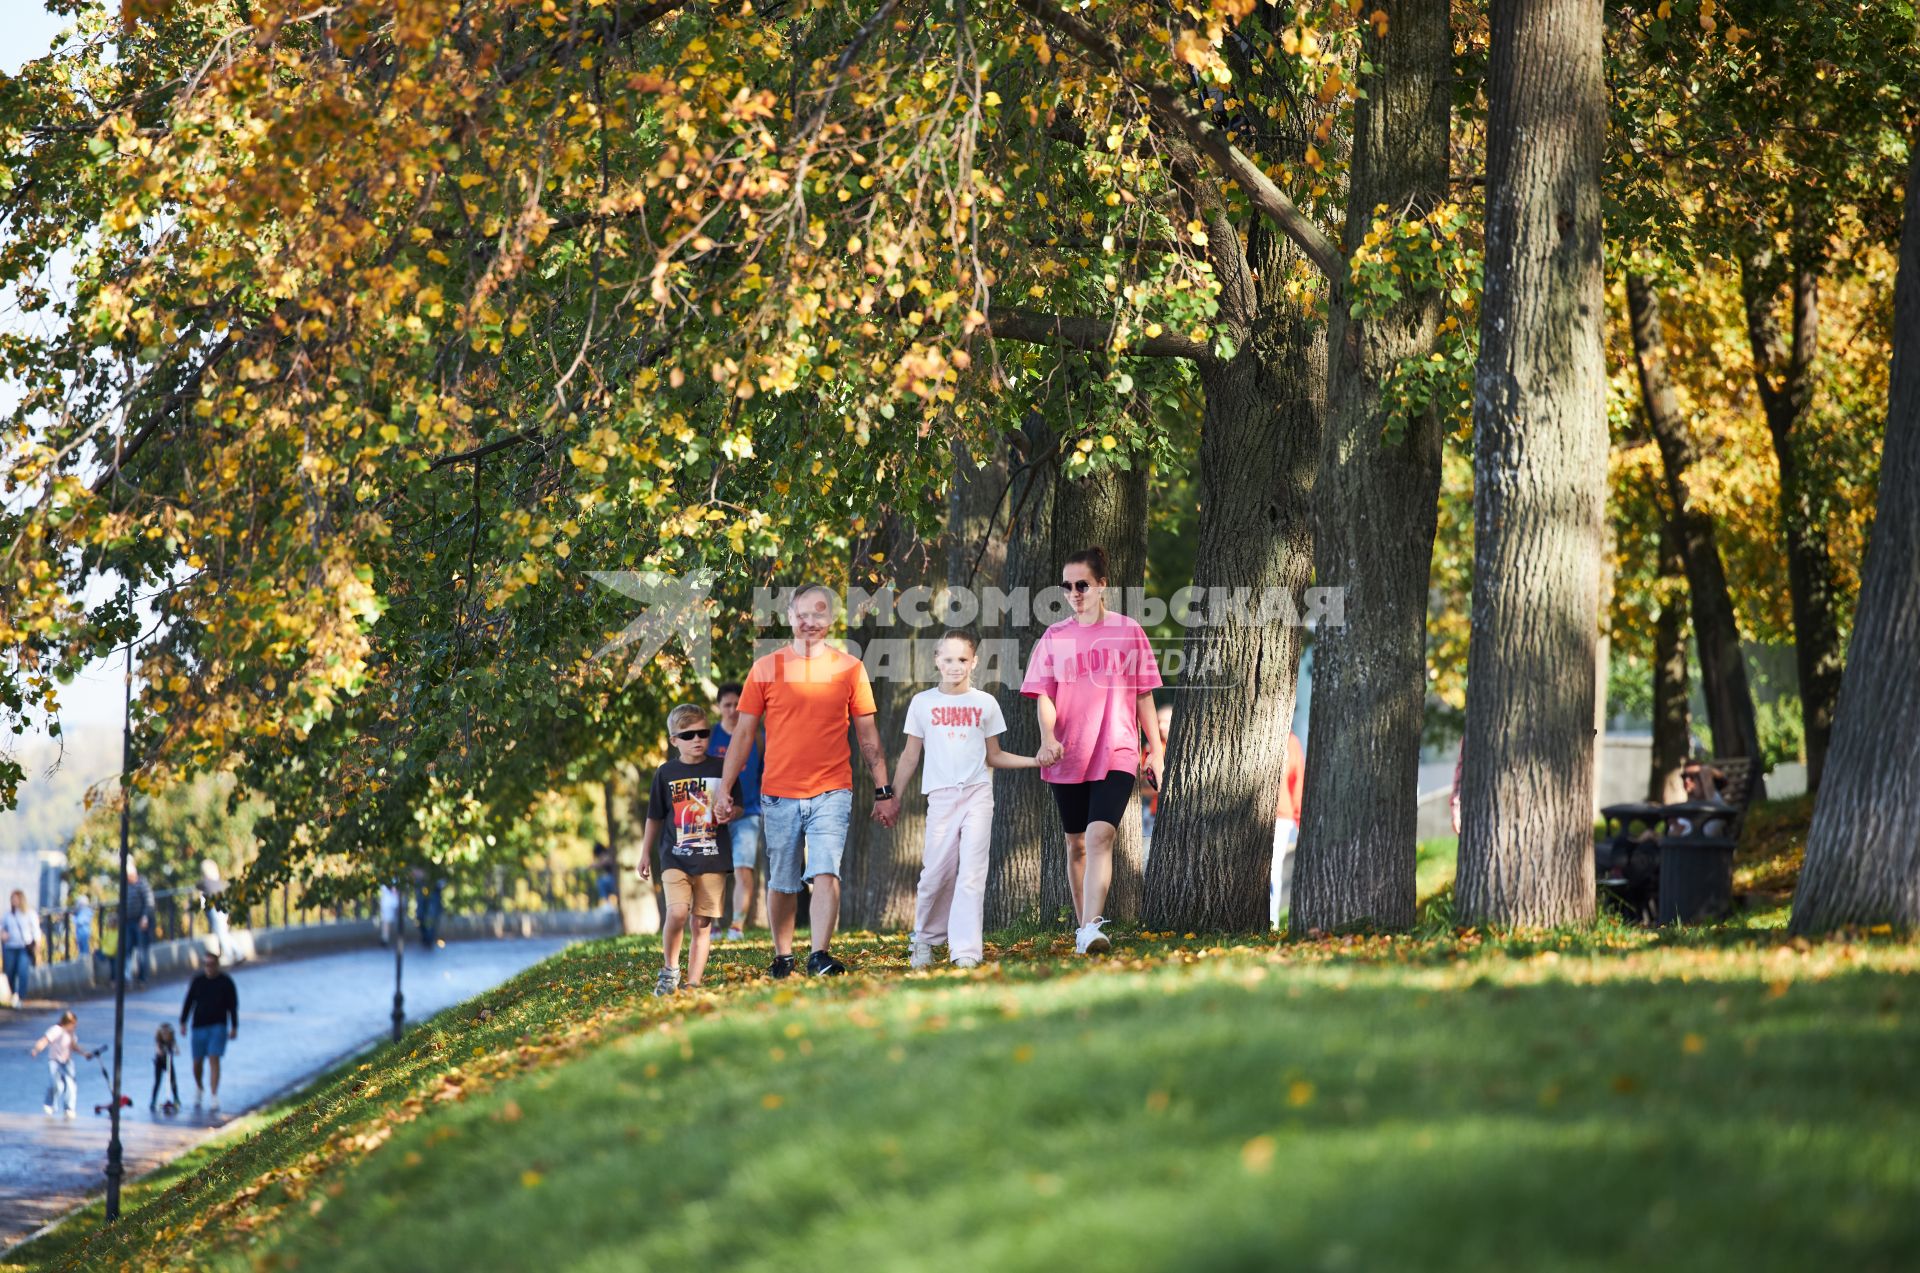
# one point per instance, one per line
(213, 1002)
(1150, 813)
(60, 1042)
(1286, 829)
(141, 913)
(428, 903)
(606, 877)
(19, 939)
(1453, 804)
(166, 1046)
(82, 924)
(389, 912)
(745, 827)
(211, 886)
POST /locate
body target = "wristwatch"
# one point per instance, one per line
(883, 793)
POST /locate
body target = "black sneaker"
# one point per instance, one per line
(821, 964)
(782, 967)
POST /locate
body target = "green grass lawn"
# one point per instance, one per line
(1715, 1098)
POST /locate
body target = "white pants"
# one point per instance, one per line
(1285, 833)
(953, 883)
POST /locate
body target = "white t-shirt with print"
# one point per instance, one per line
(955, 729)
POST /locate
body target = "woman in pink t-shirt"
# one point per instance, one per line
(1092, 678)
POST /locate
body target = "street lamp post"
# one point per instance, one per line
(399, 945)
(115, 1167)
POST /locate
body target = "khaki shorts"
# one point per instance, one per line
(705, 894)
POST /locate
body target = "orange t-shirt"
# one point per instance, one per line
(807, 705)
(1290, 784)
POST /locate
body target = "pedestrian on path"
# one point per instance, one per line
(214, 1004)
(141, 912)
(82, 925)
(211, 887)
(958, 726)
(1091, 678)
(19, 939)
(166, 1046)
(389, 912)
(808, 692)
(1286, 830)
(60, 1042)
(697, 852)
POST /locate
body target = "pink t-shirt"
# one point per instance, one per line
(1095, 674)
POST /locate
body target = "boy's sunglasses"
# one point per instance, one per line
(1075, 585)
(690, 734)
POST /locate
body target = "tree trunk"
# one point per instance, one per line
(1051, 517)
(1259, 442)
(1540, 438)
(1374, 518)
(1783, 370)
(882, 868)
(1670, 714)
(1723, 668)
(1863, 852)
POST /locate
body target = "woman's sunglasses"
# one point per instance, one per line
(690, 734)
(1075, 585)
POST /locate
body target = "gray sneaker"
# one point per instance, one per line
(920, 957)
(668, 983)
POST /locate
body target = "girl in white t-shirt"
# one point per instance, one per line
(957, 726)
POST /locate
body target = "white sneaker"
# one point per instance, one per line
(1090, 940)
(735, 934)
(198, 1097)
(73, 1113)
(920, 956)
(964, 962)
(48, 1109)
(213, 1106)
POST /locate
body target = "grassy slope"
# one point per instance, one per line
(1714, 1099)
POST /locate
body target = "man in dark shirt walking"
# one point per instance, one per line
(214, 1004)
(136, 943)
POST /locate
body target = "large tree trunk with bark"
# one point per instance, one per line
(1783, 371)
(882, 866)
(1671, 723)
(1540, 439)
(1863, 852)
(1050, 517)
(1375, 513)
(1259, 445)
(1723, 668)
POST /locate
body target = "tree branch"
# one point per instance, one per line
(1091, 335)
(1269, 198)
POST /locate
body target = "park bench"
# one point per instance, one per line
(1673, 863)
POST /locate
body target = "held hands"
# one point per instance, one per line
(1155, 765)
(887, 812)
(1050, 752)
(723, 810)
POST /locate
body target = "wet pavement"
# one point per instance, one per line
(297, 1017)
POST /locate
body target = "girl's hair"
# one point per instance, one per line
(956, 634)
(67, 1018)
(17, 896)
(1094, 559)
(683, 713)
(164, 1036)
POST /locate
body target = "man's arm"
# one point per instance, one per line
(187, 1007)
(736, 761)
(864, 728)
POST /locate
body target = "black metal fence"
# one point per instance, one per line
(186, 912)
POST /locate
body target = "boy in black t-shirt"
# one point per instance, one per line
(697, 854)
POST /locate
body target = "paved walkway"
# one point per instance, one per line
(296, 1018)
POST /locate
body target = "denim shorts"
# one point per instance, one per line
(821, 820)
(745, 831)
(209, 1040)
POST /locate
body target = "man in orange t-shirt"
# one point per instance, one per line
(807, 693)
